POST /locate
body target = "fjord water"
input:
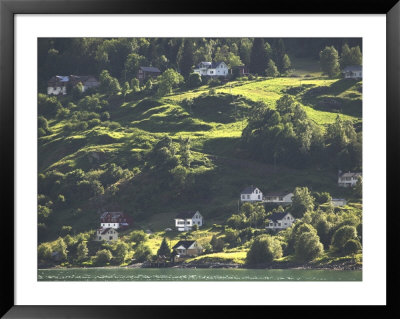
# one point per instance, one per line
(190, 274)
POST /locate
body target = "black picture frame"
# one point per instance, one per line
(9, 8)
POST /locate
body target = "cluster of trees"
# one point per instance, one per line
(286, 135)
(331, 63)
(318, 229)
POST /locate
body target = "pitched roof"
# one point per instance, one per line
(105, 231)
(184, 215)
(352, 68)
(184, 243)
(113, 214)
(150, 69)
(350, 174)
(248, 190)
(216, 64)
(277, 194)
(277, 216)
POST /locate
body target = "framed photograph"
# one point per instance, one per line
(155, 149)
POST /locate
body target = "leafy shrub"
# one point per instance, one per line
(308, 246)
(352, 246)
(343, 235)
(103, 257)
(263, 250)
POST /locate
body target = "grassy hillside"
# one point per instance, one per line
(213, 118)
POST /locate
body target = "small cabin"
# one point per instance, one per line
(251, 194)
(186, 220)
(280, 221)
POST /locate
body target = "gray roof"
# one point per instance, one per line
(277, 216)
(277, 194)
(184, 243)
(184, 215)
(248, 190)
(352, 68)
(150, 69)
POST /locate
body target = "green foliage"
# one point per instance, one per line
(329, 60)
(263, 250)
(109, 84)
(138, 237)
(120, 252)
(342, 236)
(259, 57)
(167, 81)
(217, 244)
(82, 251)
(271, 70)
(103, 257)
(194, 80)
(142, 253)
(350, 56)
(48, 105)
(302, 201)
(352, 246)
(65, 230)
(308, 246)
(164, 249)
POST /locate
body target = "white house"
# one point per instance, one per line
(352, 72)
(212, 69)
(280, 221)
(187, 248)
(279, 198)
(185, 221)
(337, 202)
(106, 234)
(348, 179)
(251, 194)
(114, 220)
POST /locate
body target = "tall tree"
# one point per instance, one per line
(186, 62)
(258, 57)
(329, 60)
(164, 249)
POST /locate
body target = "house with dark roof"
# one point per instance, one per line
(146, 72)
(186, 220)
(60, 84)
(280, 221)
(352, 72)
(212, 69)
(278, 197)
(186, 248)
(106, 234)
(251, 194)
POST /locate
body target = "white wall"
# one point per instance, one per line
(255, 196)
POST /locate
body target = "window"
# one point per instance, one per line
(279, 224)
(99, 237)
(243, 196)
(281, 198)
(259, 196)
(248, 196)
(111, 237)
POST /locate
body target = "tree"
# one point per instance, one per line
(308, 246)
(263, 250)
(65, 230)
(82, 251)
(358, 187)
(138, 237)
(329, 60)
(342, 235)
(132, 64)
(302, 201)
(286, 63)
(109, 84)
(60, 247)
(279, 54)
(135, 84)
(121, 252)
(125, 89)
(186, 62)
(352, 246)
(103, 257)
(167, 81)
(258, 57)
(194, 80)
(350, 56)
(44, 252)
(271, 70)
(142, 253)
(217, 244)
(164, 249)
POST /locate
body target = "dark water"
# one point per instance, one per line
(189, 274)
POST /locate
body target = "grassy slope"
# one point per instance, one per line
(213, 139)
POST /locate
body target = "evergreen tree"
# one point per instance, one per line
(286, 63)
(279, 54)
(271, 70)
(186, 62)
(164, 249)
(82, 251)
(258, 57)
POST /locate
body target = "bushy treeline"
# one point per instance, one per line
(286, 135)
(82, 250)
(319, 228)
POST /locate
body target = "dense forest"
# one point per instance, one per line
(182, 141)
